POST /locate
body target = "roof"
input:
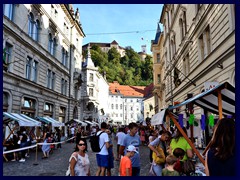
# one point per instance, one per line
(130, 91)
(209, 100)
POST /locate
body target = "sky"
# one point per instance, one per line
(129, 24)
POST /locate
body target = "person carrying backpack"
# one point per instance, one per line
(102, 156)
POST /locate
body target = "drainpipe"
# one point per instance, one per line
(70, 73)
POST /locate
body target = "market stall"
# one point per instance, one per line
(218, 100)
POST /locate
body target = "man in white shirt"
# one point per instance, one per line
(102, 156)
(119, 136)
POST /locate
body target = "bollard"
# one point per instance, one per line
(36, 163)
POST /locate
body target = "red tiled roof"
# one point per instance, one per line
(132, 91)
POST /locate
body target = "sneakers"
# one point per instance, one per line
(22, 160)
(13, 160)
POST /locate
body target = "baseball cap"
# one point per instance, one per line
(131, 148)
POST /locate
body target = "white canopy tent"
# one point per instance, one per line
(82, 123)
(22, 119)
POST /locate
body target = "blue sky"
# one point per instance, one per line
(139, 21)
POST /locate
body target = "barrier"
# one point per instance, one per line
(35, 145)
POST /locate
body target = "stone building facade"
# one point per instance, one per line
(43, 53)
(198, 47)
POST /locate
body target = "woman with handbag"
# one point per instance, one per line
(79, 164)
(158, 147)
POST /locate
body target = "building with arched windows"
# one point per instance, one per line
(43, 56)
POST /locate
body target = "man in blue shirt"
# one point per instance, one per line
(132, 139)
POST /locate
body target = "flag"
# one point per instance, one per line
(180, 120)
(211, 120)
(191, 119)
(203, 122)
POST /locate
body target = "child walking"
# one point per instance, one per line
(125, 168)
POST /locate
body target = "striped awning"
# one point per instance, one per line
(49, 120)
(209, 100)
(22, 119)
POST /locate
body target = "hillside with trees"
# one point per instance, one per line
(127, 70)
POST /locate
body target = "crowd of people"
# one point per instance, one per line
(23, 138)
(169, 154)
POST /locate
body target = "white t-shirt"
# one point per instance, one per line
(102, 139)
(120, 136)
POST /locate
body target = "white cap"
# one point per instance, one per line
(131, 148)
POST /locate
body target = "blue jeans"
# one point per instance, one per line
(157, 169)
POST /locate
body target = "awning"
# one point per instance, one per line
(209, 100)
(22, 119)
(92, 123)
(82, 123)
(51, 121)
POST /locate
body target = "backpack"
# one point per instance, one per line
(94, 142)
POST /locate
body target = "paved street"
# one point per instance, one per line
(57, 163)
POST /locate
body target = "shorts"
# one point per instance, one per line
(102, 160)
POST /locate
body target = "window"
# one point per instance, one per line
(28, 68)
(77, 43)
(131, 108)
(33, 27)
(116, 106)
(132, 115)
(28, 106)
(91, 92)
(8, 10)
(52, 43)
(121, 106)
(204, 44)
(54, 13)
(8, 51)
(120, 115)
(34, 71)
(48, 109)
(5, 101)
(158, 57)
(159, 78)
(186, 65)
(91, 77)
(64, 86)
(31, 69)
(112, 106)
(64, 57)
(76, 92)
(50, 79)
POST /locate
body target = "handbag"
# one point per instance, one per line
(156, 159)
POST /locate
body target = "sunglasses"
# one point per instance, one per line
(82, 144)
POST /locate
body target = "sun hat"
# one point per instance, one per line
(132, 148)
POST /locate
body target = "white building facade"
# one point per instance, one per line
(94, 92)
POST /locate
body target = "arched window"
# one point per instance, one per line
(33, 27)
(75, 113)
(52, 43)
(30, 24)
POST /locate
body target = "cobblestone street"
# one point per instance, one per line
(57, 163)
